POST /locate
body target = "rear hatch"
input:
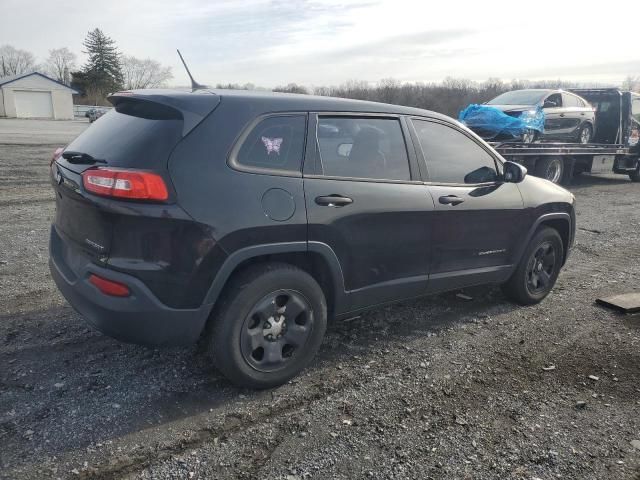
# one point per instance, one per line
(139, 133)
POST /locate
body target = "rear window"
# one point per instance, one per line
(135, 134)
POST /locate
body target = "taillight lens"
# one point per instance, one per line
(109, 287)
(122, 183)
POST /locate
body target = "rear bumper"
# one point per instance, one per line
(139, 318)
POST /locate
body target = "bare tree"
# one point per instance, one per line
(60, 63)
(144, 73)
(291, 88)
(449, 96)
(15, 62)
(237, 86)
(631, 83)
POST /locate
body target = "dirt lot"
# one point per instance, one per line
(437, 388)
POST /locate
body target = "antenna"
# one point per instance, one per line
(194, 85)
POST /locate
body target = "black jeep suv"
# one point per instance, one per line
(248, 218)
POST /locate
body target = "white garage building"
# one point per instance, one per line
(34, 95)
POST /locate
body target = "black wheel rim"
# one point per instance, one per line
(276, 330)
(541, 268)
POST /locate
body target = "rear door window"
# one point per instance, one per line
(452, 157)
(363, 147)
(275, 143)
(569, 100)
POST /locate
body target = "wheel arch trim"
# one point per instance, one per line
(564, 216)
(255, 251)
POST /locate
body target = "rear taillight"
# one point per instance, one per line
(122, 183)
(56, 155)
(634, 138)
(109, 287)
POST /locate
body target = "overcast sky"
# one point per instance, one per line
(327, 42)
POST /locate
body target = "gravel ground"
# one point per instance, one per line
(436, 388)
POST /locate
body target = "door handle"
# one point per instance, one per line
(562, 114)
(452, 200)
(333, 201)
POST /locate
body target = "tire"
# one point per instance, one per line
(550, 168)
(585, 134)
(530, 136)
(528, 285)
(635, 175)
(268, 325)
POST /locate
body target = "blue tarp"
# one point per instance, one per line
(487, 119)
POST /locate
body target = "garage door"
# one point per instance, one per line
(33, 104)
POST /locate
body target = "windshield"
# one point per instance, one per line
(519, 97)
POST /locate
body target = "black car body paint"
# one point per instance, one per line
(389, 240)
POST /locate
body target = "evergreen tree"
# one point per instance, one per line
(103, 70)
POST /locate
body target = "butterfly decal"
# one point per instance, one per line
(272, 145)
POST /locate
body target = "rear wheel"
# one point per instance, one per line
(538, 269)
(585, 134)
(550, 168)
(635, 175)
(268, 326)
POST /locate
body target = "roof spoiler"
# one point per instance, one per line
(192, 108)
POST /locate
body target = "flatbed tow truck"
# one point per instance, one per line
(616, 147)
(560, 162)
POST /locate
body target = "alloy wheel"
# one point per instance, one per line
(529, 136)
(585, 135)
(540, 269)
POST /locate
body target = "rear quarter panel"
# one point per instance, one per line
(229, 202)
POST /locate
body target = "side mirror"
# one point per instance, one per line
(513, 172)
(549, 104)
(344, 149)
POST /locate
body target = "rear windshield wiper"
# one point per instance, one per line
(79, 157)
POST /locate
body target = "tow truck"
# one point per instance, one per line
(615, 148)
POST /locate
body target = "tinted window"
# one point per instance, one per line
(275, 143)
(635, 107)
(363, 148)
(570, 100)
(452, 157)
(126, 140)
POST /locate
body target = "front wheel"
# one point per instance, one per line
(635, 175)
(269, 325)
(538, 270)
(585, 134)
(529, 136)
